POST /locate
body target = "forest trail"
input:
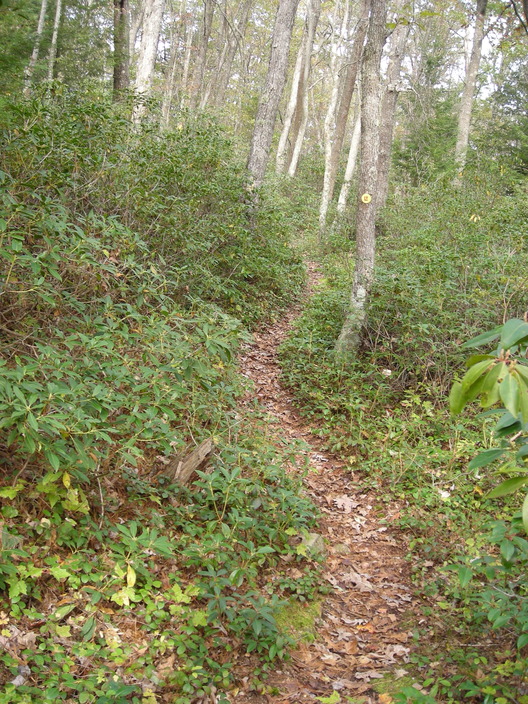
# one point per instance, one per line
(364, 628)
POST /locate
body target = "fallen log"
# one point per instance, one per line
(182, 467)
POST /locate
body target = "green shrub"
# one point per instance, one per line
(123, 258)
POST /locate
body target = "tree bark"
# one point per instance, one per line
(121, 48)
(298, 105)
(349, 337)
(148, 49)
(186, 65)
(28, 75)
(466, 103)
(388, 112)
(177, 40)
(54, 40)
(350, 167)
(282, 149)
(272, 92)
(349, 83)
(135, 25)
(235, 33)
(201, 60)
(331, 113)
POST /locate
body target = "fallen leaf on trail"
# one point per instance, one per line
(367, 627)
(333, 581)
(388, 657)
(166, 666)
(349, 648)
(385, 699)
(14, 639)
(370, 675)
(359, 580)
(343, 684)
(400, 673)
(343, 634)
(345, 503)
(401, 637)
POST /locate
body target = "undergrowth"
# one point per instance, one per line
(450, 265)
(131, 269)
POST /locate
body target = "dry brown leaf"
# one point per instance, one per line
(17, 640)
(166, 666)
(385, 699)
(345, 503)
(359, 580)
(369, 675)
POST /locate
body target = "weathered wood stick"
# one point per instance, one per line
(180, 469)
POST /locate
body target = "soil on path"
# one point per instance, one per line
(363, 631)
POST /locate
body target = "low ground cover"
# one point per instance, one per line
(448, 269)
(131, 272)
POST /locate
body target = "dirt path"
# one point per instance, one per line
(363, 630)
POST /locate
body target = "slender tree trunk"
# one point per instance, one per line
(350, 167)
(466, 103)
(388, 112)
(282, 149)
(201, 60)
(28, 74)
(338, 137)
(303, 98)
(331, 113)
(234, 43)
(272, 92)
(301, 130)
(121, 48)
(148, 49)
(186, 65)
(298, 105)
(317, 123)
(54, 40)
(348, 341)
(170, 82)
(135, 26)
(206, 93)
(177, 40)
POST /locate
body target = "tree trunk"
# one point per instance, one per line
(186, 65)
(466, 103)
(388, 112)
(54, 39)
(28, 75)
(331, 113)
(238, 35)
(282, 149)
(350, 167)
(348, 341)
(349, 83)
(121, 48)
(170, 83)
(148, 49)
(135, 26)
(299, 96)
(272, 92)
(177, 40)
(201, 60)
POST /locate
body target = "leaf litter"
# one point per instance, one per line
(361, 634)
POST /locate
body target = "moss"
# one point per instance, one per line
(389, 684)
(298, 619)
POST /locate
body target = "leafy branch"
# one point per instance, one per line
(501, 378)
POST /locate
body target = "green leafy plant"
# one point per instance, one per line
(501, 378)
